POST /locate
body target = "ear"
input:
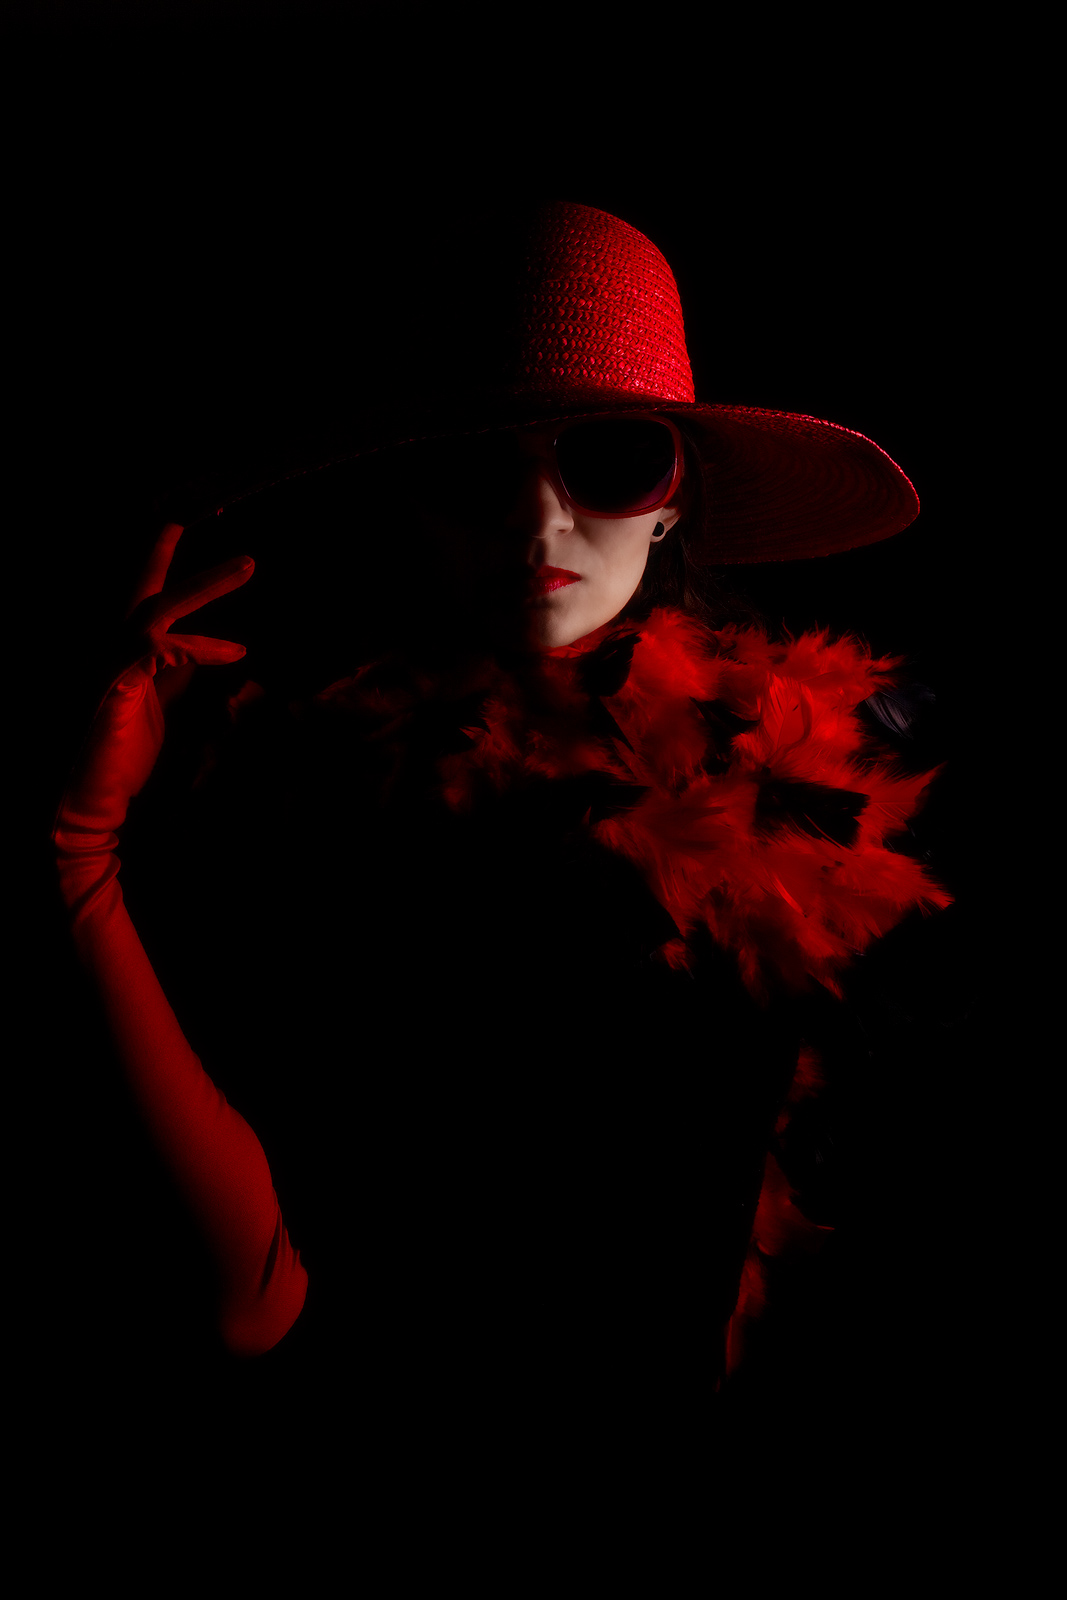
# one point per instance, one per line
(666, 516)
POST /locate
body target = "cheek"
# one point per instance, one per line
(620, 552)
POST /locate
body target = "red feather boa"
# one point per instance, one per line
(791, 904)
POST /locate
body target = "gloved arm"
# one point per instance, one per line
(214, 1156)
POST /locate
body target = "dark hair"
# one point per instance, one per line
(673, 576)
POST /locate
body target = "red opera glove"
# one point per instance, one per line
(214, 1156)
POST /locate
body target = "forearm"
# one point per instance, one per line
(214, 1156)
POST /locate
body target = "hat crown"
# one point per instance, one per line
(600, 315)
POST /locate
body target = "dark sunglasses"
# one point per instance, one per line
(608, 466)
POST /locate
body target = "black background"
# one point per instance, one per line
(202, 211)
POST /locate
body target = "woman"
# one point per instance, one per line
(528, 925)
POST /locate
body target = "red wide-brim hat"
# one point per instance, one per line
(590, 321)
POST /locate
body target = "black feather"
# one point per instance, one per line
(898, 709)
(611, 799)
(815, 808)
(603, 724)
(604, 670)
(723, 725)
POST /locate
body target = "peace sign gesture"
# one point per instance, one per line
(127, 732)
(151, 612)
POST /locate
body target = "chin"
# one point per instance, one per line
(550, 633)
(552, 622)
(549, 622)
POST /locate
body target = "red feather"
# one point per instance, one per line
(793, 906)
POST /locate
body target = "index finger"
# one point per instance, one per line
(154, 575)
(195, 592)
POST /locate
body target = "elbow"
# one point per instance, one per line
(252, 1324)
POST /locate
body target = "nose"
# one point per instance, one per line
(539, 516)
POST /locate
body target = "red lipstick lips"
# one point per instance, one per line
(548, 578)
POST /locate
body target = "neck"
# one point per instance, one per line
(588, 641)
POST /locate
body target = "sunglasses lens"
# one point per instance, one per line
(619, 464)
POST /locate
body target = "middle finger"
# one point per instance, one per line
(190, 595)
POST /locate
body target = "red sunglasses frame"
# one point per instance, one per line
(550, 463)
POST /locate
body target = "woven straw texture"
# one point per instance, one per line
(599, 311)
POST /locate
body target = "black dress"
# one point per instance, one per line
(519, 1155)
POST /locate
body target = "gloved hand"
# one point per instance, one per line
(214, 1156)
(126, 735)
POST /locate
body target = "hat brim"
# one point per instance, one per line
(781, 486)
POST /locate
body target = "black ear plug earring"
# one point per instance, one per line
(658, 530)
